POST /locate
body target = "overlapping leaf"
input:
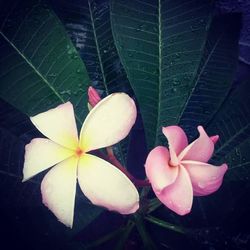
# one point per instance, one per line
(215, 75)
(88, 25)
(40, 67)
(161, 44)
(232, 123)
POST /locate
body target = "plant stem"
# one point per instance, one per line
(146, 239)
(112, 159)
(165, 224)
(153, 205)
(105, 238)
(122, 240)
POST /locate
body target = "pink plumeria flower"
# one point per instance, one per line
(102, 183)
(178, 174)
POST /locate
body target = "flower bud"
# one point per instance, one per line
(94, 97)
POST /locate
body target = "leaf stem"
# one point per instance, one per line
(153, 205)
(146, 239)
(112, 159)
(165, 224)
(105, 238)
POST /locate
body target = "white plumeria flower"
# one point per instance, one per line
(102, 183)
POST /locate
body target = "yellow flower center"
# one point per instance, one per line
(79, 152)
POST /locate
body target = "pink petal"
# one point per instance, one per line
(59, 188)
(158, 171)
(41, 154)
(205, 178)
(58, 125)
(108, 122)
(199, 150)
(93, 95)
(214, 138)
(178, 196)
(177, 141)
(106, 186)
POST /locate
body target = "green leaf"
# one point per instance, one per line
(161, 45)
(166, 225)
(232, 123)
(238, 160)
(146, 239)
(125, 235)
(88, 25)
(40, 68)
(215, 75)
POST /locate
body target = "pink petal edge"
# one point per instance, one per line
(178, 196)
(205, 178)
(177, 139)
(214, 138)
(158, 171)
(199, 150)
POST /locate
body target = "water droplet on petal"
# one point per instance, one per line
(201, 185)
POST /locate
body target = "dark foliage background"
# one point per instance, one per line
(27, 224)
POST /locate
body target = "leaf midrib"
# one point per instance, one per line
(36, 71)
(98, 49)
(160, 69)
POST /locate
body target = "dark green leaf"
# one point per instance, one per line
(146, 239)
(160, 44)
(215, 74)
(88, 24)
(165, 224)
(238, 160)
(40, 68)
(232, 123)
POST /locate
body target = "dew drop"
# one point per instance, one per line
(74, 56)
(130, 54)
(237, 151)
(207, 112)
(201, 185)
(52, 75)
(176, 82)
(65, 92)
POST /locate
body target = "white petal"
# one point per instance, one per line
(59, 125)
(105, 185)
(108, 122)
(59, 188)
(41, 154)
